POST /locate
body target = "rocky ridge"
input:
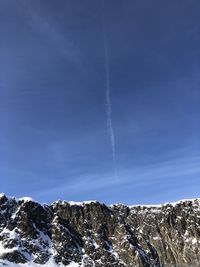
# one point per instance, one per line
(93, 234)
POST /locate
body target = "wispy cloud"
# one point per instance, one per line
(63, 45)
(178, 171)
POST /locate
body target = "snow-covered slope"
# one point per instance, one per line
(93, 234)
(50, 263)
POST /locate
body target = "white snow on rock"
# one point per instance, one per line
(27, 199)
(74, 203)
(165, 204)
(50, 263)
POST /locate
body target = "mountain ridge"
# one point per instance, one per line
(71, 202)
(93, 234)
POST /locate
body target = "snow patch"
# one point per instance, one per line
(74, 203)
(166, 203)
(50, 263)
(26, 199)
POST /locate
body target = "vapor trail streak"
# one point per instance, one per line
(108, 91)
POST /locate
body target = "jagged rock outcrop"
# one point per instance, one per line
(93, 234)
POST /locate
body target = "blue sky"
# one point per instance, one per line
(54, 139)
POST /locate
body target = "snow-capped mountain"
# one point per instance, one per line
(93, 234)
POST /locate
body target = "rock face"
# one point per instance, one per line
(93, 234)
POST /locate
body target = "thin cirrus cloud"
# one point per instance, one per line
(66, 47)
(179, 171)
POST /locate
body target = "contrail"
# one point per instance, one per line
(108, 92)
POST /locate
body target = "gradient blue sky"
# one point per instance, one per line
(54, 142)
